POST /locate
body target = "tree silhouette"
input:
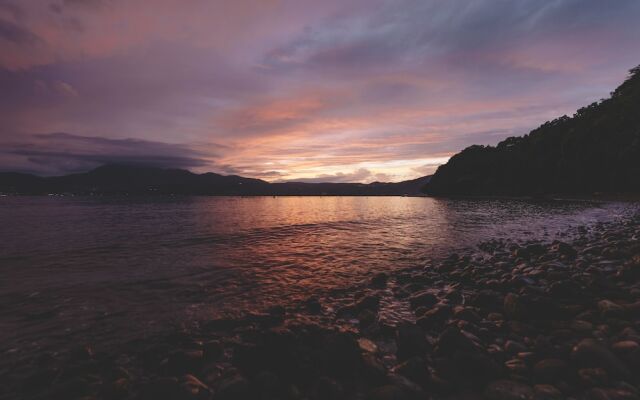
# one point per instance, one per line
(596, 150)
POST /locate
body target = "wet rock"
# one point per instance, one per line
(463, 360)
(610, 394)
(367, 345)
(630, 272)
(564, 249)
(550, 370)
(193, 388)
(508, 390)
(593, 376)
(313, 305)
(434, 316)
(328, 388)
(513, 347)
(370, 302)
(513, 306)
(379, 280)
(273, 317)
(410, 341)
(390, 392)
(467, 314)
(547, 392)
(183, 362)
(118, 389)
(75, 387)
(581, 326)
(277, 313)
(566, 289)
(453, 340)
(453, 296)
(341, 354)
(349, 310)
(82, 353)
(373, 369)
(496, 317)
(488, 299)
(367, 318)
(425, 299)
(590, 353)
(267, 384)
(625, 347)
(212, 350)
(161, 388)
(414, 369)
(609, 309)
(234, 388)
(39, 379)
(516, 366)
(535, 307)
(420, 311)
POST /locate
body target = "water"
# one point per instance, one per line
(109, 269)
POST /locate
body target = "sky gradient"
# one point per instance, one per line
(334, 90)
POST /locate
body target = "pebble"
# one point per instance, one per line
(508, 390)
(590, 353)
(550, 370)
(522, 321)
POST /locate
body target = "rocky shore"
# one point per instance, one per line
(505, 321)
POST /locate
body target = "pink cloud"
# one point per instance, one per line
(295, 89)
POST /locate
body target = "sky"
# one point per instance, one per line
(332, 90)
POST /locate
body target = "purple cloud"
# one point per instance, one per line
(299, 89)
(60, 153)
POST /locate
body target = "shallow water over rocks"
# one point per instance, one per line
(107, 270)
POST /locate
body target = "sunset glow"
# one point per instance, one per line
(343, 91)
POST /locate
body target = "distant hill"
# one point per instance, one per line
(123, 179)
(596, 150)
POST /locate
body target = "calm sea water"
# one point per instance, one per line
(94, 269)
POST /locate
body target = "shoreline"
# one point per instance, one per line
(505, 321)
(604, 198)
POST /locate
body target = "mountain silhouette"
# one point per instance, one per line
(596, 150)
(127, 179)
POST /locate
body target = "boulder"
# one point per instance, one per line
(414, 369)
(564, 249)
(410, 341)
(193, 388)
(590, 353)
(547, 392)
(379, 280)
(550, 370)
(370, 302)
(233, 388)
(425, 299)
(312, 304)
(609, 309)
(186, 361)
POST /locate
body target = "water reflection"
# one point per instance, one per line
(142, 262)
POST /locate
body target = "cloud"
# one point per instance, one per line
(429, 168)
(16, 34)
(289, 89)
(59, 153)
(358, 175)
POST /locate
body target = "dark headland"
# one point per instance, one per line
(508, 320)
(597, 150)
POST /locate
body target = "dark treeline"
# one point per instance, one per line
(139, 180)
(596, 150)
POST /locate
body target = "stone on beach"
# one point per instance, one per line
(590, 353)
(508, 390)
(528, 321)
